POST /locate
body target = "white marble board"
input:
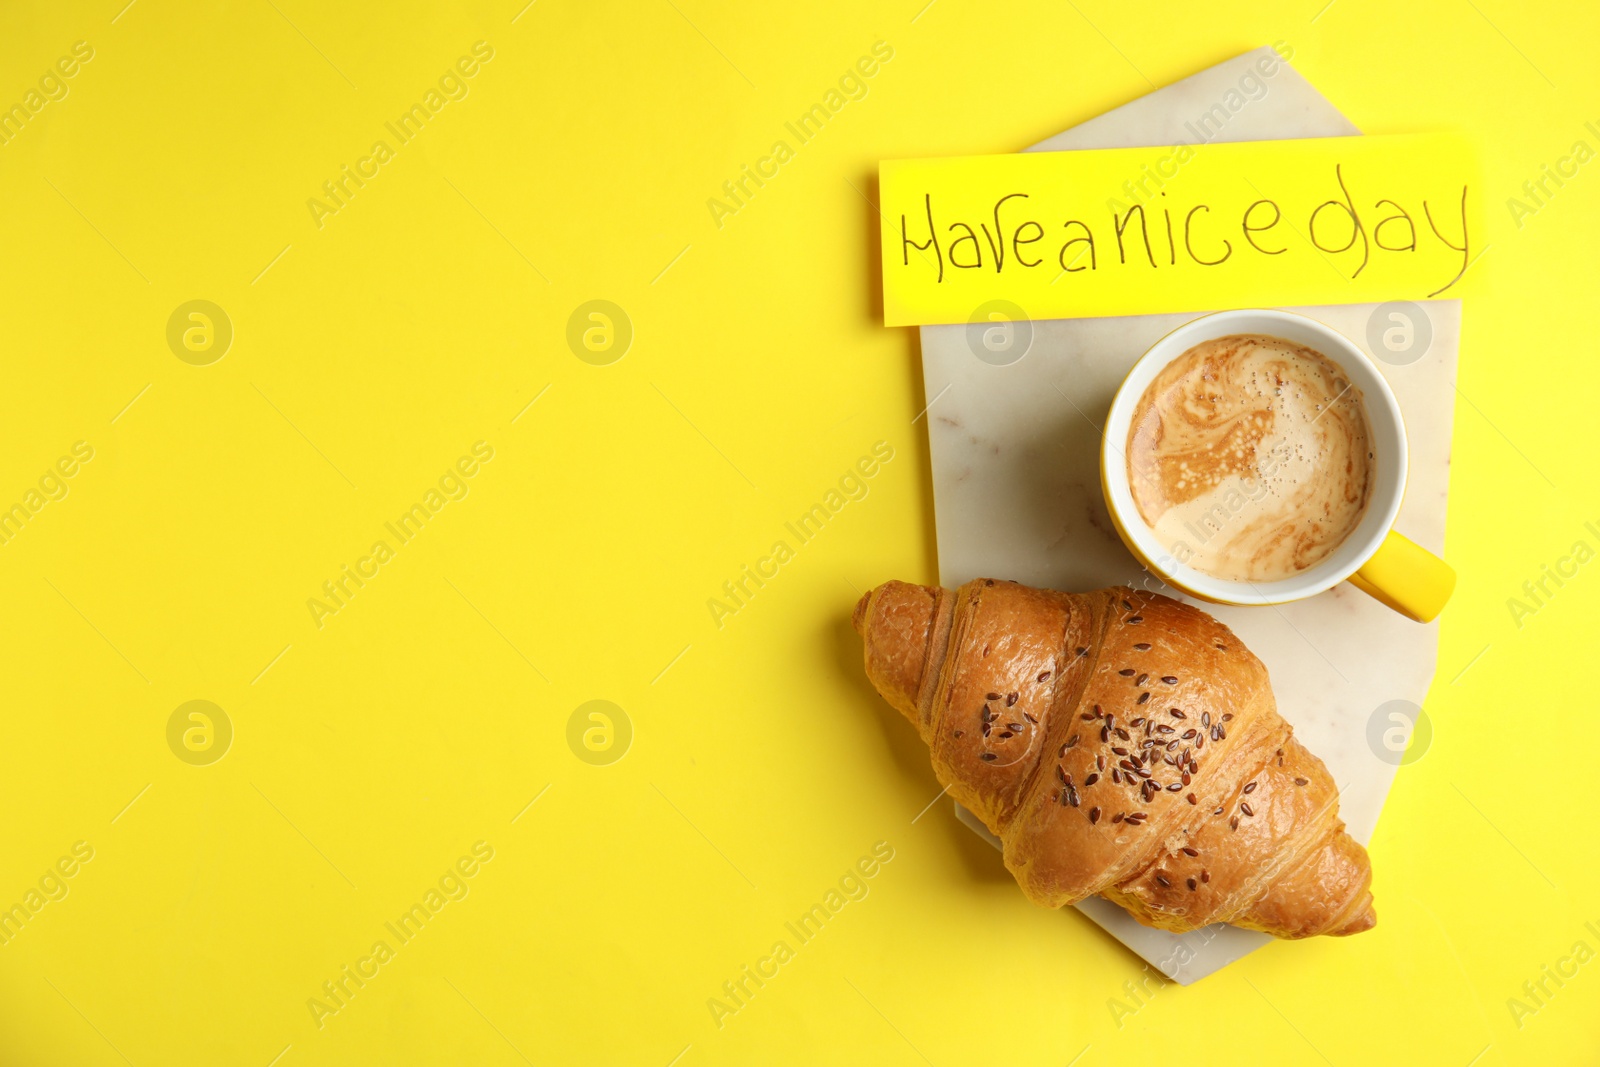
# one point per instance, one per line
(1017, 488)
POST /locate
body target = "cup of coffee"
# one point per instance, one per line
(1258, 457)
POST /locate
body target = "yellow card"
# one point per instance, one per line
(1127, 231)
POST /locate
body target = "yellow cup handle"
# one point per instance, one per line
(1406, 577)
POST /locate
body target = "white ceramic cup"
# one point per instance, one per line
(1375, 558)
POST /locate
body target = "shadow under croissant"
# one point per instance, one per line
(910, 755)
(980, 860)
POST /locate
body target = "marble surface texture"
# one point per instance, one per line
(1017, 488)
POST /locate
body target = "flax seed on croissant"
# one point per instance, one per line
(1124, 744)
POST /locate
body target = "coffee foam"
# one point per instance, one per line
(1250, 457)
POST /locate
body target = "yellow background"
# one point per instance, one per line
(426, 714)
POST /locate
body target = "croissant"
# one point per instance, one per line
(1120, 743)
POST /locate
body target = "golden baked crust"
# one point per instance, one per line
(1124, 744)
